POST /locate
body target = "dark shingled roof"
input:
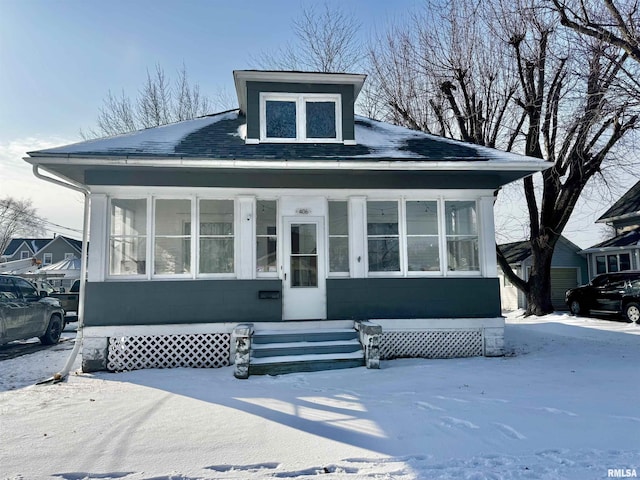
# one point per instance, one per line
(34, 243)
(623, 240)
(219, 137)
(516, 252)
(628, 204)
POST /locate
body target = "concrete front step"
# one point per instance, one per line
(278, 352)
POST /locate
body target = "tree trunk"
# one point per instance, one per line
(539, 292)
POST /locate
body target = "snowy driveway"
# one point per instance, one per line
(561, 405)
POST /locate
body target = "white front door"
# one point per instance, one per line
(304, 289)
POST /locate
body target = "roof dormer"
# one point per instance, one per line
(298, 107)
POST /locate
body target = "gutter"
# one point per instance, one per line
(78, 187)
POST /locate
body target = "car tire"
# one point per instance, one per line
(54, 330)
(575, 307)
(632, 312)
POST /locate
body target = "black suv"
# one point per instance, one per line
(610, 293)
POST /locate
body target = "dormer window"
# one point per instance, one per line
(293, 117)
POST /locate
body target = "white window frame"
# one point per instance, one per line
(328, 241)
(405, 247)
(195, 257)
(47, 258)
(401, 272)
(301, 116)
(606, 256)
(24, 254)
(151, 239)
(444, 237)
(147, 236)
(279, 239)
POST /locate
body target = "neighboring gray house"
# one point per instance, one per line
(568, 270)
(45, 250)
(58, 249)
(291, 229)
(621, 252)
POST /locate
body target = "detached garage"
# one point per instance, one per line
(568, 270)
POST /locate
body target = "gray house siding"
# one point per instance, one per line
(57, 248)
(182, 302)
(406, 298)
(253, 103)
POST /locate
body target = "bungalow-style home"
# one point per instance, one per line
(568, 270)
(45, 250)
(289, 234)
(622, 252)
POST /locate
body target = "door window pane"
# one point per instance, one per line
(266, 236)
(280, 118)
(127, 242)
(304, 255)
(338, 237)
(382, 236)
(216, 236)
(321, 119)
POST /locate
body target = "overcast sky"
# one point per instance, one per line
(58, 60)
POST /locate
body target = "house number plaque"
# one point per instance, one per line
(303, 211)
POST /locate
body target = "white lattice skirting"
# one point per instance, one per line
(206, 350)
(431, 344)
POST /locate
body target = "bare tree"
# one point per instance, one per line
(613, 22)
(159, 101)
(18, 218)
(326, 41)
(501, 74)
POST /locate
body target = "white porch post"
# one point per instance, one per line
(245, 256)
(358, 236)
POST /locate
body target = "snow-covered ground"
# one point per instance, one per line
(562, 404)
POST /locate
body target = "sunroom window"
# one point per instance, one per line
(216, 236)
(286, 117)
(383, 236)
(338, 238)
(266, 237)
(172, 239)
(423, 247)
(462, 236)
(128, 237)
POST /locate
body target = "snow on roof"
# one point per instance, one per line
(155, 140)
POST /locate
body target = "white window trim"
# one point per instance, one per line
(44, 258)
(195, 258)
(301, 116)
(401, 239)
(331, 274)
(445, 239)
(279, 239)
(23, 256)
(440, 212)
(147, 236)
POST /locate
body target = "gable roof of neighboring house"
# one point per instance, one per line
(626, 239)
(218, 142)
(627, 206)
(75, 244)
(34, 244)
(517, 252)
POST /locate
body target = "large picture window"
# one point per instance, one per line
(617, 262)
(216, 236)
(128, 237)
(287, 117)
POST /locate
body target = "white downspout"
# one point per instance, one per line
(61, 375)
